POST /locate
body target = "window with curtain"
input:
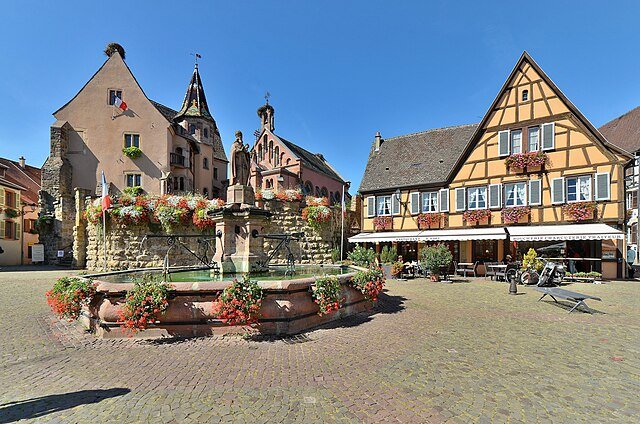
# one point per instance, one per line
(579, 188)
(515, 194)
(516, 141)
(384, 205)
(534, 139)
(430, 202)
(477, 197)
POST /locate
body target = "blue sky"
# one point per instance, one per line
(338, 71)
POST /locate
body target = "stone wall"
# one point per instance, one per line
(315, 247)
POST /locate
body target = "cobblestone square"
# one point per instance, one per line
(431, 352)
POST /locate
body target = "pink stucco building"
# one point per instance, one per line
(278, 163)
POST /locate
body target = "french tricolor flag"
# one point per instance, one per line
(119, 103)
(106, 199)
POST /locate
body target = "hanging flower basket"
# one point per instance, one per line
(580, 211)
(429, 220)
(382, 223)
(476, 216)
(289, 195)
(526, 160)
(514, 215)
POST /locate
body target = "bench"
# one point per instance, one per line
(577, 298)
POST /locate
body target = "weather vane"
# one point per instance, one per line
(197, 55)
(266, 96)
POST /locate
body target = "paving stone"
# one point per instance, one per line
(429, 353)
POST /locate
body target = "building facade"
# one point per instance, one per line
(19, 186)
(533, 173)
(624, 132)
(280, 164)
(174, 151)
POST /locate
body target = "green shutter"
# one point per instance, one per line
(17, 205)
(2, 224)
(1, 196)
(16, 234)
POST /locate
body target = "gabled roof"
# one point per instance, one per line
(413, 160)
(525, 57)
(313, 161)
(166, 111)
(624, 131)
(195, 102)
(26, 179)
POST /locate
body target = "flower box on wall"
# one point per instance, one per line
(516, 215)
(579, 211)
(477, 217)
(382, 223)
(527, 162)
(427, 221)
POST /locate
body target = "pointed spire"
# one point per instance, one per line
(195, 102)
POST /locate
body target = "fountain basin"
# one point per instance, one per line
(287, 308)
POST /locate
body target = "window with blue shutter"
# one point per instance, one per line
(535, 192)
(460, 199)
(557, 191)
(415, 203)
(503, 143)
(603, 186)
(548, 136)
(444, 200)
(495, 200)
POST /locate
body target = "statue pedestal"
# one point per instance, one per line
(240, 251)
(239, 194)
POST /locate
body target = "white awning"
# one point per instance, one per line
(432, 235)
(385, 236)
(564, 232)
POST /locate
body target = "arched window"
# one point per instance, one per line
(192, 129)
(308, 188)
(317, 191)
(331, 197)
(277, 156)
(270, 151)
(176, 186)
(260, 153)
(324, 192)
(206, 132)
(288, 160)
(525, 95)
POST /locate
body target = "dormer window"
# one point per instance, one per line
(192, 129)
(525, 95)
(112, 96)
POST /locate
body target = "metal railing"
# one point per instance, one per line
(176, 159)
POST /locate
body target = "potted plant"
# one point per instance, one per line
(396, 269)
(435, 258)
(515, 215)
(132, 152)
(382, 223)
(429, 220)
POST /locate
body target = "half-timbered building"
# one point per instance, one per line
(533, 173)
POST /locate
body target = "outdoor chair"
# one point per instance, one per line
(489, 270)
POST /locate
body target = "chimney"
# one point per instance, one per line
(378, 141)
(22, 162)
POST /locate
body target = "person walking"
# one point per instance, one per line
(631, 258)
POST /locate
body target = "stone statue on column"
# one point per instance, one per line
(240, 161)
(239, 191)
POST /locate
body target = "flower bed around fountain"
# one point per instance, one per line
(287, 307)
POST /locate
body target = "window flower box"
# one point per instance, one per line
(382, 223)
(530, 161)
(477, 216)
(132, 152)
(580, 211)
(516, 215)
(429, 220)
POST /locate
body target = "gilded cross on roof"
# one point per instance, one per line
(266, 96)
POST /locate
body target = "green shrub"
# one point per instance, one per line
(335, 255)
(531, 260)
(436, 257)
(389, 254)
(362, 256)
